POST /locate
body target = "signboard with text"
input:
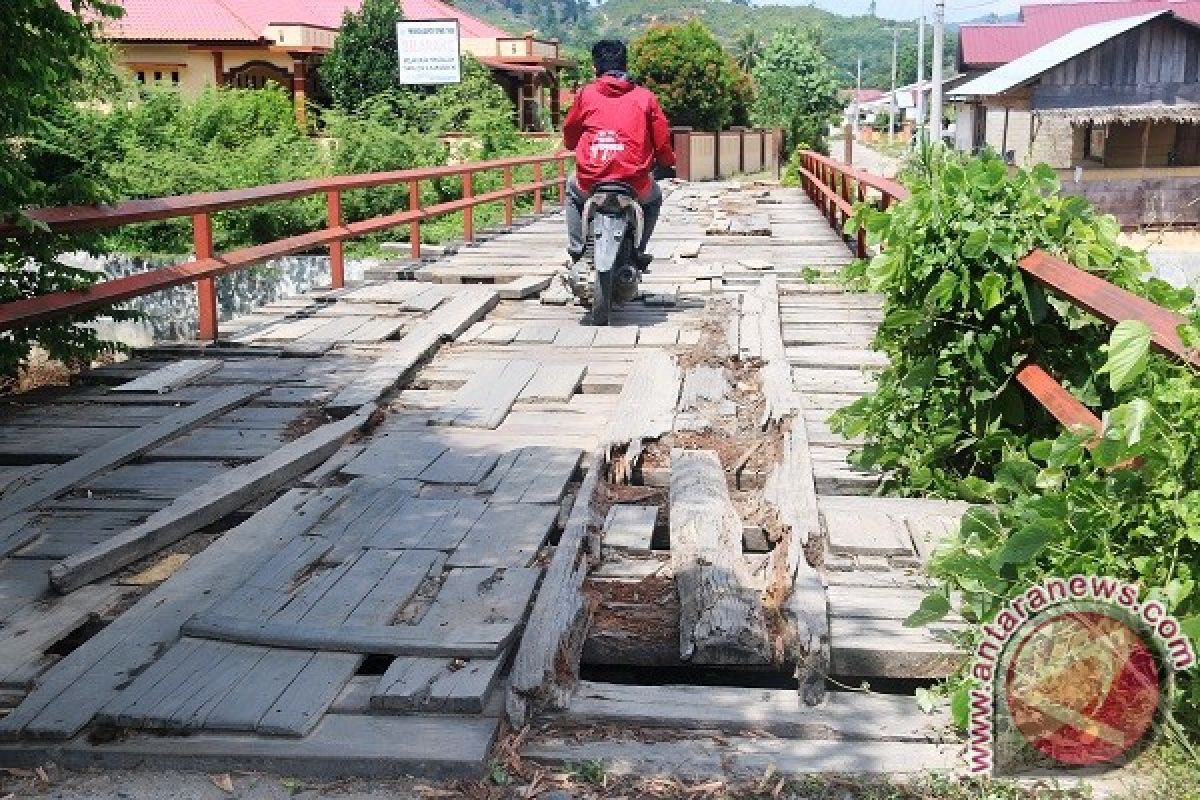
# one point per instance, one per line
(429, 52)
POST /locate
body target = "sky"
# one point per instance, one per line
(956, 10)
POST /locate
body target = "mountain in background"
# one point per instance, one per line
(578, 23)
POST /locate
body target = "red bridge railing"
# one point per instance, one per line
(831, 184)
(207, 264)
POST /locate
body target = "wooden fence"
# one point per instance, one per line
(207, 265)
(831, 185)
(709, 155)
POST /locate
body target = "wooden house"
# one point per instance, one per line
(1114, 104)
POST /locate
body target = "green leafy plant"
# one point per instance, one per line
(797, 88)
(693, 77)
(362, 63)
(54, 63)
(948, 419)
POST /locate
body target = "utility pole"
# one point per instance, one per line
(939, 39)
(921, 73)
(857, 95)
(896, 31)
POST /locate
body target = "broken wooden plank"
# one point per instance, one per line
(537, 475)
(553, 383)
(506, 536)
(482, 640)
(70, 693)
(523, 287)
(721, 614)
(554, 633)
(630, 528)
(27, 634)
(485, 400)
(122, 449)
(172, 376)
(447, 322)
(777, 712)
(645, 411)
(207, 504)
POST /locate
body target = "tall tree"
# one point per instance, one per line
(693, 77)
(52, 61)
(363, 61)
(797, 89)
(747, 47)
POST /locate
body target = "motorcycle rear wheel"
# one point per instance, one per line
(602, 298)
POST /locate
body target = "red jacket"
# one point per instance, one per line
(617, 130)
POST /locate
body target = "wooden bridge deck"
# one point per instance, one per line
(255, 556)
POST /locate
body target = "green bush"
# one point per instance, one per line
(948, 419)
(53, 63)
(797, 89)
(693, 77)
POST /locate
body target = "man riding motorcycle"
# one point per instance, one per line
(618, 131)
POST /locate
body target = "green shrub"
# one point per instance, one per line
(797, 89)
(693, 77)
(948, 420)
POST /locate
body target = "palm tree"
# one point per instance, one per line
(747, 47)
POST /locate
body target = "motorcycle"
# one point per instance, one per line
(607, 275)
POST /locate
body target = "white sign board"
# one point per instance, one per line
(429, 52)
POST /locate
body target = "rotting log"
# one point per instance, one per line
(721, 614)
(546, 666)
(645, 411)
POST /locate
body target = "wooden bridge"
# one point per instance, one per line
(372, 529)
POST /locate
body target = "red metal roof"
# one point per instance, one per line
(245, 20)
(987, 46)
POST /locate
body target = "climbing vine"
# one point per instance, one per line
(949, 420)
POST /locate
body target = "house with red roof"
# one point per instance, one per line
(249, 43)
(1114, 105)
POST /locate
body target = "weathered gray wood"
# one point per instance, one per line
(885, 648)
(450, 320)
(750, 757)
(341, 746)
(792, 490)
(73, 690)
(645, 411)
(553, 383)
(507, 535)
(207, 504)
(844, 715)
(26, 634)
(122, 449)
(426, 684)
(556, 625)
(703, 385)
(537, 475)
(575, 336)
(536, 333)
(630, 528)
(483, 640)
(460, 466)
(868, 533)
(527, 286)
(499, 334)
(616, 337)
(172, 376)
(721, 615)
(485, 400)
(402, 455)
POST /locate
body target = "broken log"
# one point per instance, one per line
(645, 411)
(721, 613)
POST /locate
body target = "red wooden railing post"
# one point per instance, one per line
(468, 183)
(862, 230)
(538, 176)
(206, 288)
(846, 197)
(508, 199)
(414, 230)
(337, 256)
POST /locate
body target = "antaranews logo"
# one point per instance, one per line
(1076, 673)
